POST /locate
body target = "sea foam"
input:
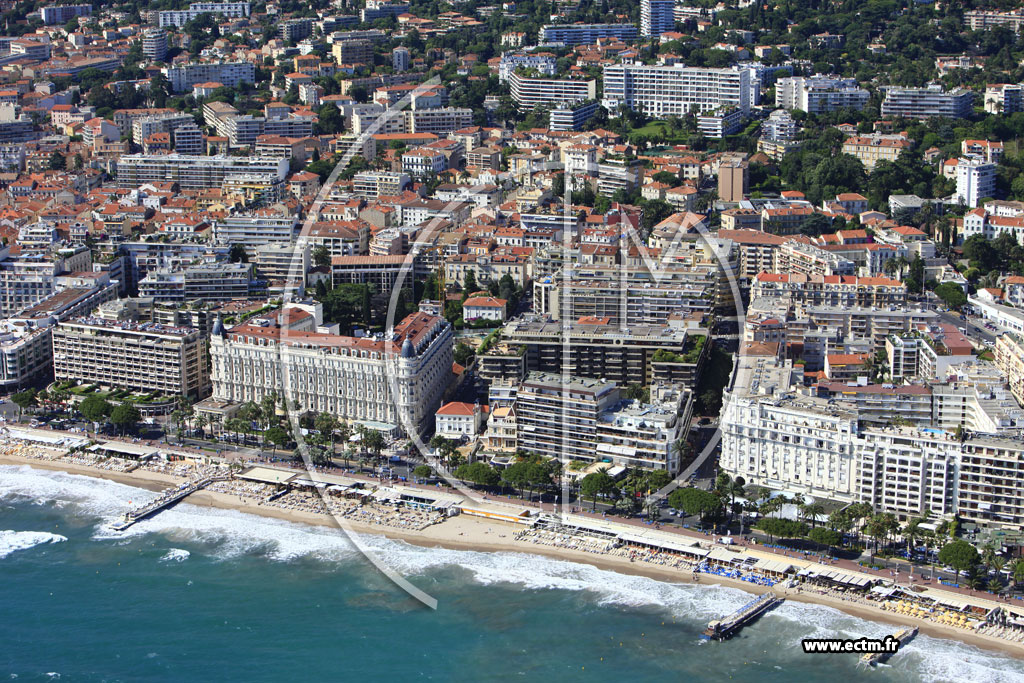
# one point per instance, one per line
(13, 541)
(227, 534)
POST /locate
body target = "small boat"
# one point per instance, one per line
(903, 636)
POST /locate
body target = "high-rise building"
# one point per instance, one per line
(294, 30)
(656, 17)
(1007, 98)
(733, 177)
(400, 58)
(231, 10)
(675, 90)
(975, 180)
(188, 139)
(154, 44)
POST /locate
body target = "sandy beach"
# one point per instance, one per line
(464, 532)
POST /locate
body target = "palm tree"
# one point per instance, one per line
(812, 511)
(1017, 572)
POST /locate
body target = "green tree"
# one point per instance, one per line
(322, 257)
(373, 441)
(57, 162)
(276, 437)
(951, 294)
(423, 472)
(237, 254)
(694, 501)
(826, 537)
(960, 555)
(781, 528)
(597, 485)
(125, 417)
(517, 476)
(95, 408)
(24, 400)
(478, 473)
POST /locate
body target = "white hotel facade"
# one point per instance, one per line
(352, 378)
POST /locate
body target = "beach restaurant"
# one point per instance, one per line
(833, 578)
(121, 449)
(47, 438)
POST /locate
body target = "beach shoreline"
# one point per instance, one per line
(467, 533)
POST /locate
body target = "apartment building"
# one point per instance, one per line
(440, 121)
(830, 290)
(572, 116)
(979, 20)
(184, 76)
(819, 94)
(201, 282)
(585, 34)
(193, 173)
(528, 92)
(256, 229)
(928, 352)
(61, 14)
(145, 357)
(675, 90)
(154, 44)
(632, 295)
(557, 417)
(657, 17)
(1005, 98)
(544, 63)
(1009, 353)
(377, 183)
(924, 103)
(871, 149)
(178, 18)
(26, 345)
(145, 126)
(594, 349)
(393, 382)
(975, 181)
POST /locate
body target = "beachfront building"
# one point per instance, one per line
(393, 382)
(585, 420)
(457, 420)
(145, 357)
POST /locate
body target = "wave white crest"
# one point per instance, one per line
(90, 495)
(13, 541)
(228, 534)
(176, 555)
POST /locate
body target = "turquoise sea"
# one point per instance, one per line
(201, 594)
